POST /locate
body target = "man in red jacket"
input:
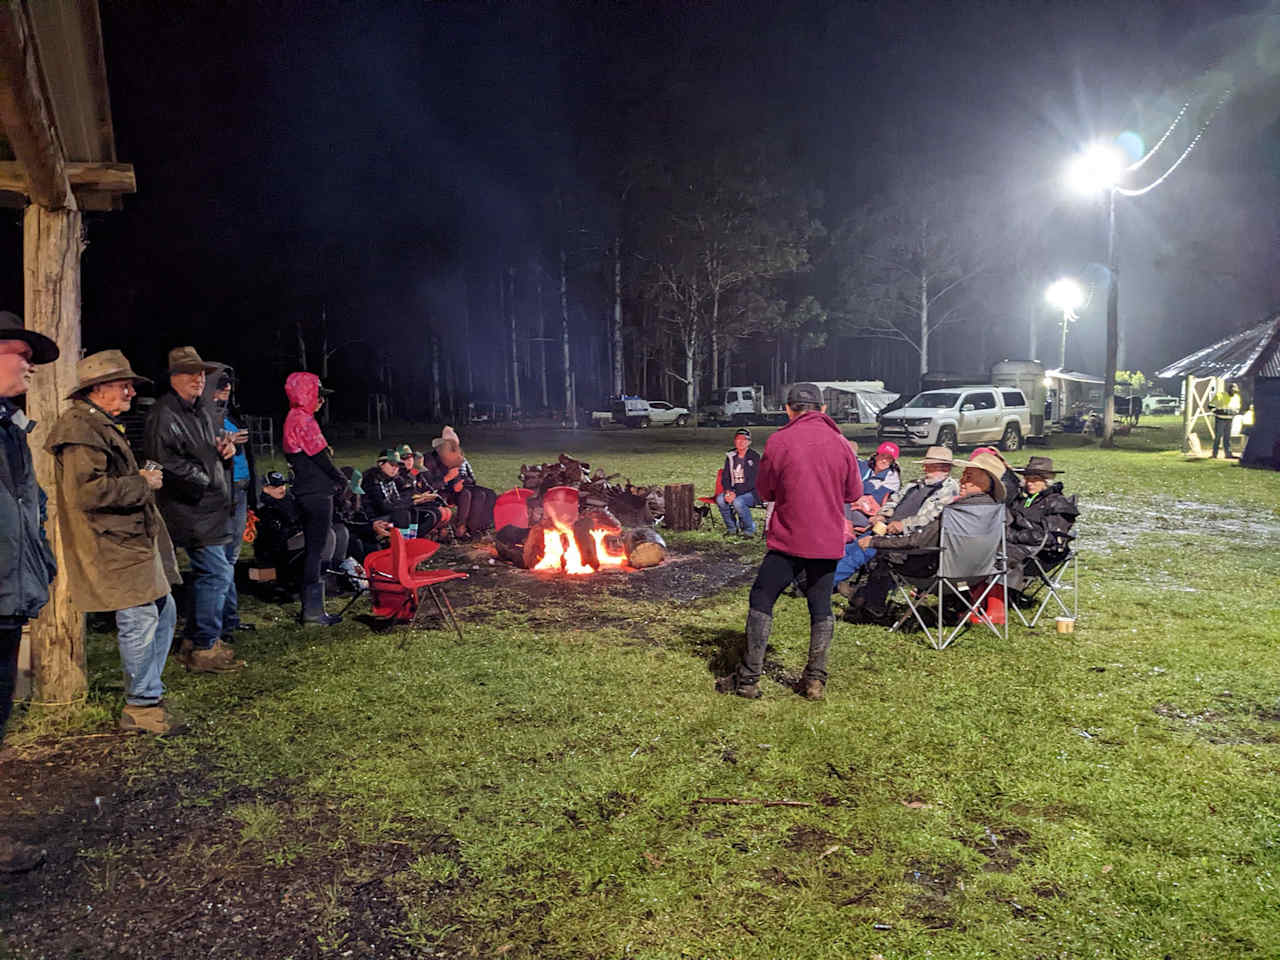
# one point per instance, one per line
(809, 472)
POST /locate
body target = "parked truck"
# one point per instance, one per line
(852, 401)
(965, 415)
(748, 405)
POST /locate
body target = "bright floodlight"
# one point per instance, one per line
(1096, 169)
(1065, 294)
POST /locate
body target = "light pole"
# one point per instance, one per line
(1065, 295)
(1099, 168)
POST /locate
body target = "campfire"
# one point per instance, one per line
(568, 524)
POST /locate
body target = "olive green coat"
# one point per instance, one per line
(117, 551)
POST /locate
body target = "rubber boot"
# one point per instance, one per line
(995, 605)
(745, 681)
(313, 613)
(815, 671)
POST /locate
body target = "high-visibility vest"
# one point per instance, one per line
(1226, 405)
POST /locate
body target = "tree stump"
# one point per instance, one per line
(678, 505)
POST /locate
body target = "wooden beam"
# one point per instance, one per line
(26, 114)
(112, 178)
(83, 177)
(52, 242)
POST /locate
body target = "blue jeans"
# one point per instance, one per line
(144, 634)
(854, 559)
(211, 573)
(235, 526)
(738, 513)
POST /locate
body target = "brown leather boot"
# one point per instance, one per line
(153, 720)
(226, 651)
(211, 661)
(814, 689)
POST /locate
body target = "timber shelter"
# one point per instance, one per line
(57, 160)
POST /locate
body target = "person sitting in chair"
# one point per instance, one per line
(914, 506)
(738, 480)
(982, 475)
(448, 471)
(387, 497)
(279, 523)
(1040, 521)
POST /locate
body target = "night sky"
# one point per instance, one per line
(378, 163)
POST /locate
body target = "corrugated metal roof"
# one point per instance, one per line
(1245, 354)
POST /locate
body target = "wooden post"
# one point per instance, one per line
(52, 241)
(677, 503)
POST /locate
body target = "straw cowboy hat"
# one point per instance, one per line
(43, 350)
(993, 467)
(939, 455)
(103, 367)
(1039, 465)
(186, 360)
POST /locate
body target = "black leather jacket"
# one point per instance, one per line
(196, 497)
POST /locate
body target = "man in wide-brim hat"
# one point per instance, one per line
(914, 506)
(1040, 520)
(117, 553)
(26, 563)
(196, 503)
(980, 483)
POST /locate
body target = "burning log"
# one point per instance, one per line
(645, 547)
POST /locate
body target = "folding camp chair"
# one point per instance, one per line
(397, 587)
(971, 549)
(1047, 574)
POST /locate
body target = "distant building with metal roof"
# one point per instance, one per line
(1249, 353)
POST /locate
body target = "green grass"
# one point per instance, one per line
(1108, 794)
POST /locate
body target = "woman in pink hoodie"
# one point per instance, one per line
(315, 480)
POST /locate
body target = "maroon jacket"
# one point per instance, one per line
(810, 473)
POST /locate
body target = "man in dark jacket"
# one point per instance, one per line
(809, 472)
(195, 502)
(738, 478)
(1040, 520)
(26, 563)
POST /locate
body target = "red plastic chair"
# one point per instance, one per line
(397, 587)
(512, 509)
(719, 488)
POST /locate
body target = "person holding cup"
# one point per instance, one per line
(117, 553)
(196, 504)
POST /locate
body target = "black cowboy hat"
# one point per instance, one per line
(43, 350)
(1039, 465)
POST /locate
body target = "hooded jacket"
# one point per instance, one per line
(26, 562)
(225, 415)
(809, 473)
(116, 549)
(195, 500)
(305, 447)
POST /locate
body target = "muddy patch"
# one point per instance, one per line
(1109, 525)
(493, 587)
(145, 867)
(937, 883)
(1228, 722)
(1003, 846)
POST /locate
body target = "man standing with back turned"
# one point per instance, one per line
(810, 473)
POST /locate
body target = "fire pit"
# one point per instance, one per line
(560, 539)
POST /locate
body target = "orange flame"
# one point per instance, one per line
(560, 551)
(605, 557)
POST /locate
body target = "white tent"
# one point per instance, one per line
(857, 400)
